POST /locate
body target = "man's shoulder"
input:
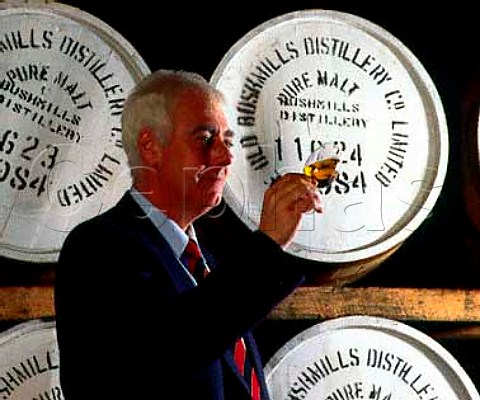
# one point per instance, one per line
(96, 225)
(108, 216)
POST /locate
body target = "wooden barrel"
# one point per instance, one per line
(469, 161)
(64, 78)
(29, 362)
(307, 78)
(467, 175)
(361, 357)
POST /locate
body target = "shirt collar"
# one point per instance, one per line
(176, 237)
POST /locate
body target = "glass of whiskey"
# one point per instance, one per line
(322, 163)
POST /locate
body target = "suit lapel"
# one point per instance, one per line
(257, 362)
(134, 217)
(254, 357)
(228, 357)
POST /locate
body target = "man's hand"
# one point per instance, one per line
(284, 203)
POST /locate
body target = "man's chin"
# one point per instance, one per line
(214, 201)
(212, 197)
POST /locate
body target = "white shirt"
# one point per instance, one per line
(175, 236)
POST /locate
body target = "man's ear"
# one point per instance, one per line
(148, 147)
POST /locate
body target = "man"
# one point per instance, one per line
(133, 322)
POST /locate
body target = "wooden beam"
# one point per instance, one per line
(26, 302)
(415, 304)
(442, 305)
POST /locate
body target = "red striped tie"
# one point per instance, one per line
(193, 260)
(246, 369)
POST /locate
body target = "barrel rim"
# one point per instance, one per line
(25, 328)
(435, 115)
(400, 330)
(95, 24)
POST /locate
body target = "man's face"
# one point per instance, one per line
(197, 160)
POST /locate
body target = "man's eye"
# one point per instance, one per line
(207, 139)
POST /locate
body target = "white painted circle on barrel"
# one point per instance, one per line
(361, 357)
(29, 362)
(64, 77)
(315, 76)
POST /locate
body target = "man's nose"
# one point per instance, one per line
(221, 153)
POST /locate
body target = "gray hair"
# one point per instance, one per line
(151, 103)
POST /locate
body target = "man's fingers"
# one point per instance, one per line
(297, 192)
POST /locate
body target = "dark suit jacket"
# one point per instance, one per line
(131, 325)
